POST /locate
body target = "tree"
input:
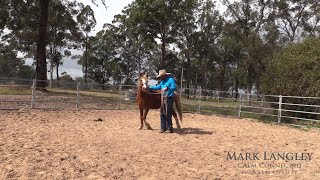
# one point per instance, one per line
(248, 18)
(210, 25)
(63, 33)
(41, 58)
(13, 67)
(156, 20)
(4, 14)
(291, 15)
(186, 39)
(135, 52)
(66, 77)
(86, 22)
(102, 51)
(294, 71)
(311, 21)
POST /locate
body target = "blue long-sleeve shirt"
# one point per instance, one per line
(170, 83)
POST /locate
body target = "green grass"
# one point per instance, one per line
(8, 91)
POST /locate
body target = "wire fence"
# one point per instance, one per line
(23, 93)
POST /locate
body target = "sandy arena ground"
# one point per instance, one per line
(70, 144)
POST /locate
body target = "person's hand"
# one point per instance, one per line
(164, 89)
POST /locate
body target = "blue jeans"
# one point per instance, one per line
(166, 120)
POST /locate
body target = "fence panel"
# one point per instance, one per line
(21, 93)
(15, 93)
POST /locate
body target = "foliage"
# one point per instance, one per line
(65, 77)
(295, 70)
(225, 51)
(11, 66)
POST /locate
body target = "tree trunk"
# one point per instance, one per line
(41, 68)
(163, 54)
(187, 74)
(222, 79)
(237, 88)
(57, 71)
(86, 63)
(51, 67)
(139, 60)
(163, 48)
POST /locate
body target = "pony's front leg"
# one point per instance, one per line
(141, 118)
(145, 119)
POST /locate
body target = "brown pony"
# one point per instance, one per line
(147, 100)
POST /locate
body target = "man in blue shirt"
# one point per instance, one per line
(167, 86)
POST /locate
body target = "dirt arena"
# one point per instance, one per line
(70, 144)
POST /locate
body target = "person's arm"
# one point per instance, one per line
(157, 87)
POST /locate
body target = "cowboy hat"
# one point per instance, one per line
(162, 73)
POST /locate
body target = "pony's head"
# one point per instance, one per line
(143, 80)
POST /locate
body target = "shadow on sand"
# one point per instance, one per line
(199, 131)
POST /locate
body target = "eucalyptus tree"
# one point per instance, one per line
(133, 50)
(27, 31)
(185, 39)
(63, 33)
(157, 21)
(292, 15)
(4, 14)
(86, 22)
(248, 18)
(12, 66)
(210, 24)
(102, 54)
(311, 21)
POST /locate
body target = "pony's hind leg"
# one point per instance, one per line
(141, 119)
(174, 114)
(145, 119)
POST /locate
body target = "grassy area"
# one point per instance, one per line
(9, 91)
(86, 93)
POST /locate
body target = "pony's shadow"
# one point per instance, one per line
(185, 131)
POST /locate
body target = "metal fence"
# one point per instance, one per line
(19, 94)
(288, 109)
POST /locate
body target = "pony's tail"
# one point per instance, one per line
(178, 106)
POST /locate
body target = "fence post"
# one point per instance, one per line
(78, 96)
(119, 96)
(33, 92)
(239, 109)
(279, 111)
(199, 100)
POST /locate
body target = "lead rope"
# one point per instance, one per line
(164, 107)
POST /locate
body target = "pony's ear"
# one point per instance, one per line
(141, 73)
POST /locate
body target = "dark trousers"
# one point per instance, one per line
(166, 118)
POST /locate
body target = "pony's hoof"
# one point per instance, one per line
(140, 127)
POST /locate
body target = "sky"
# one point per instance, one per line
(102, 16)
(106, 16)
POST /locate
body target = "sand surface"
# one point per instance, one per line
(70, 144)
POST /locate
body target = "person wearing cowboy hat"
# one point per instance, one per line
(167, 86)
